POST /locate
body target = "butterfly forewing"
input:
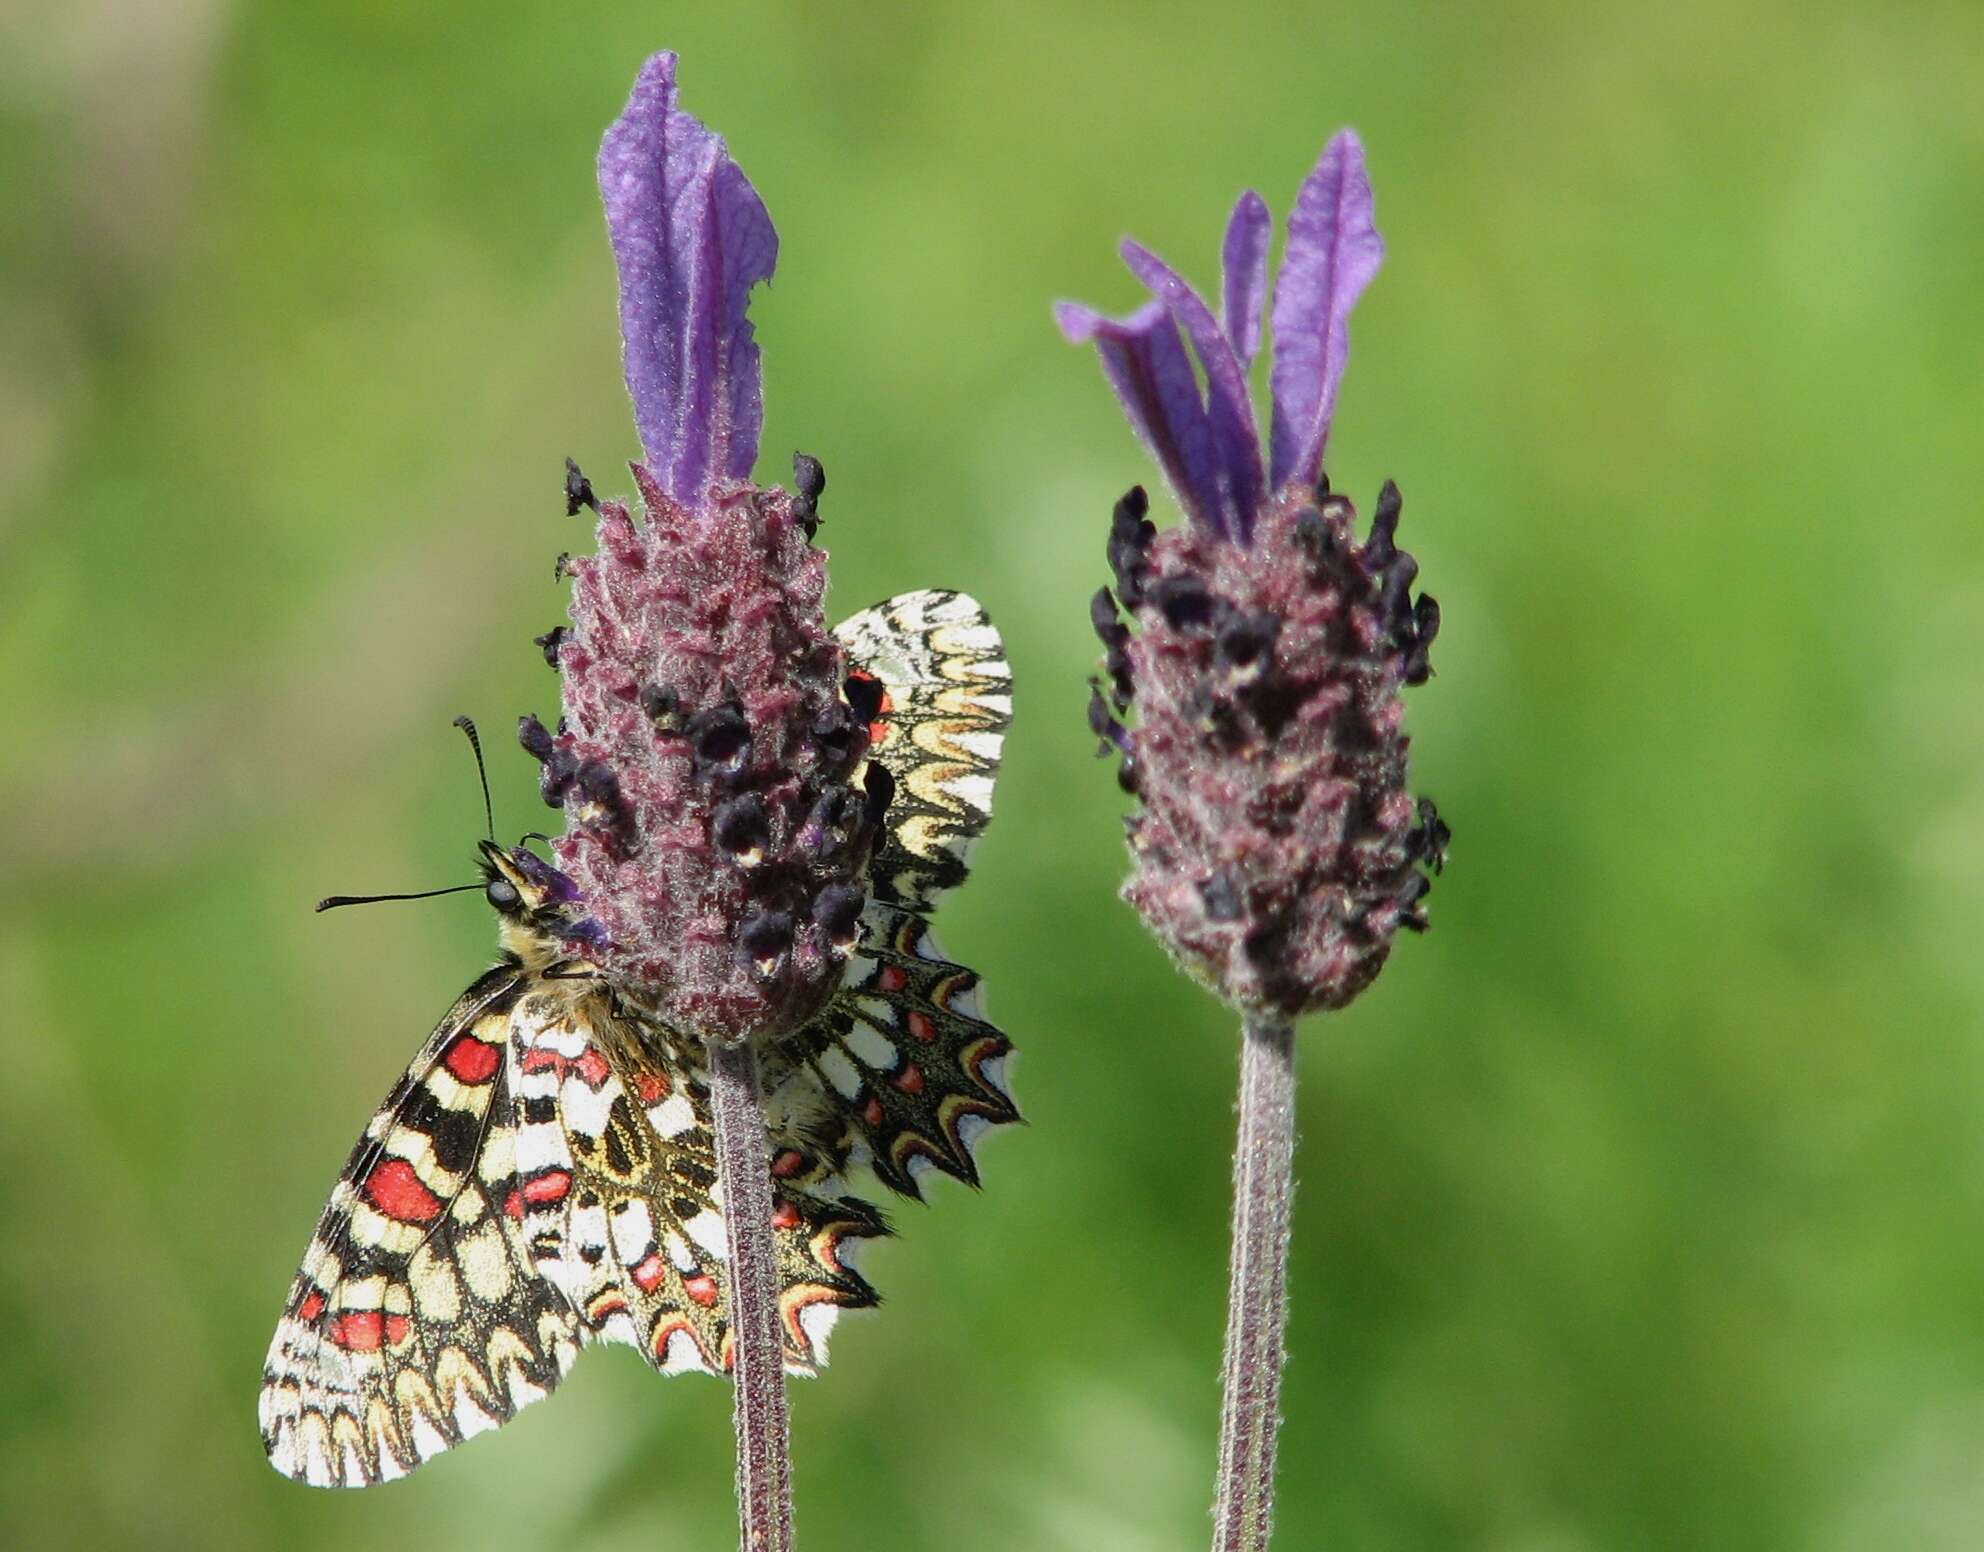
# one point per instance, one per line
(415, 1321)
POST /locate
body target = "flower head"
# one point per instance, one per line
(704, 757)
(1277, 852)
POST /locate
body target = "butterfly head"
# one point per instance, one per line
(539, 910)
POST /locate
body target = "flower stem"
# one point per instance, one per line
(764, 1466)
(1257, 1291)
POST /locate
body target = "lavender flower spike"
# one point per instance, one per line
(703, 714)
(1276, 853)
(728, 768)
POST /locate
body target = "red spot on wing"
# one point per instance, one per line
(396, 1327)
(358, 1331)
(651, 1087)
(548, 1187)
(471, 1060)
(872, 1111)
(647, 1276)
(310, 1308)
(785, 1216)
(700, 1288)
(910, 1079)
(396, 1191)
(588, 1064)
(513, 1205)
(921, 1027)
(893, 978)
(788, 1164)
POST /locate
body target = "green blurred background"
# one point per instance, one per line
(1642, 1202)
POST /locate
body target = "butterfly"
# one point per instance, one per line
(542, 1178)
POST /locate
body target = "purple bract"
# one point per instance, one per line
(691, 238)
(1207, 443)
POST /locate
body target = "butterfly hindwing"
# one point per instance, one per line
(914, 1074)
(415, 1322)
(900, 1059)
(621, 1210)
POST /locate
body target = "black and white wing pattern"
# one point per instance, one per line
(538, 1181)
(622, 1210)
(416, 1321)
(947, 700)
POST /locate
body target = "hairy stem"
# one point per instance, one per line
(764, 1465)
(1257, 1291)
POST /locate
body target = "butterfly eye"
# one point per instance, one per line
(502, 894)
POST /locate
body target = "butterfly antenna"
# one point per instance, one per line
(331, 902)
(475, 743)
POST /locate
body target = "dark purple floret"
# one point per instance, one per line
(1276, 849)
(837, 910)
(1130, 534)
(828, 831)
(578, 490)
(809, 481)
(864, 696)
(765, 938)
(1115, 638)
(743, 829)
(721, 739)
(535, 737)
(662, 707)
(837, 734)
(1111, 737)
